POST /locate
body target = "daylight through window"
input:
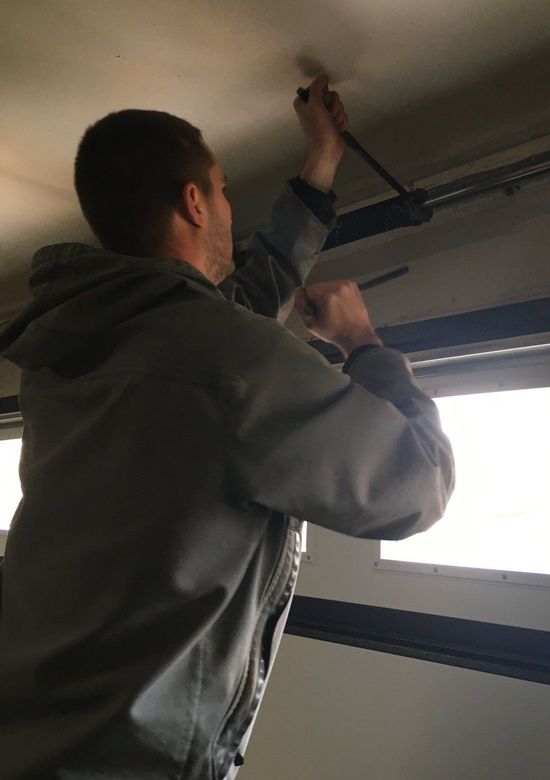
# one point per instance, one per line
(10, 495)
(499, 515)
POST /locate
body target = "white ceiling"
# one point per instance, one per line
(429, 84)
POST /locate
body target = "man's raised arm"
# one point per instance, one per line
(278, 260)
(360, 452)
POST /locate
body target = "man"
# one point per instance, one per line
(173, 431)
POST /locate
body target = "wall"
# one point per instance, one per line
(341, 713)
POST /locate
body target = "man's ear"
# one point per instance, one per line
(192, 205)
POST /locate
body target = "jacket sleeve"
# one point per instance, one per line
(278, 260)
(362, 454)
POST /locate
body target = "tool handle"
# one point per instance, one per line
(311, 309)
(384, 278)
(354, 144)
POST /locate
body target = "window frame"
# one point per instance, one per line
(496, 366)
(11, 427)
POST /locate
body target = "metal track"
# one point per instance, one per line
(387, 215)
(497, 178)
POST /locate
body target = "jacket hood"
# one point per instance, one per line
(79, 292)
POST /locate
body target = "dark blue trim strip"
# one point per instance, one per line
(499, 322)
(9, 404)
(486, 647)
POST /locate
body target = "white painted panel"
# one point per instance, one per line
(344, 570)
(341, 713)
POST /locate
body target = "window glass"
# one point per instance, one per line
(10, 495)
(499, 515)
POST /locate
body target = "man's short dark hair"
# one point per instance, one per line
(129, 171)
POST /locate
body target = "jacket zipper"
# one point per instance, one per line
(242, 712)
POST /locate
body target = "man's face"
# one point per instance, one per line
(219, 240)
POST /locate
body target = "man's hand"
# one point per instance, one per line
(341, 316)
(323, 119)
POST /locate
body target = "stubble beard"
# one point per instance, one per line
(219, 250)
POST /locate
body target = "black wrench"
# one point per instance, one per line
(354, 144)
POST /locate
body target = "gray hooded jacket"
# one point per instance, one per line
(172, 433)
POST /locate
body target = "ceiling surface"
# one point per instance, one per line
(428, 85)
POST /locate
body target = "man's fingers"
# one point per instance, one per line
(318, 87)
(339, 115)
(322, 115)
(330, 99)
(342, 122)
(334, 103)
(301, 302)
(338, 112)
(341, 316)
